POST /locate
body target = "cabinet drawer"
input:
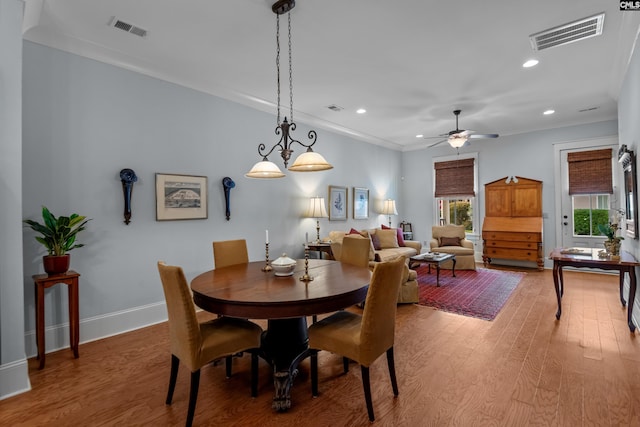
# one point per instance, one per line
(506, 253)
(512, 236)
(511, 244)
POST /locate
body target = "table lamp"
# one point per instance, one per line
(389, 208)
(317, 210)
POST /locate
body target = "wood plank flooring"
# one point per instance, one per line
(524, 368)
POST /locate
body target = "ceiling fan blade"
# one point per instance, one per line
(486, 135)
(437, 143)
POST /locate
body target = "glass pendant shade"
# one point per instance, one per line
(457, 141)
(310, 161)
(265, 169)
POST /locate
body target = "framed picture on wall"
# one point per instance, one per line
(180, 197)
(360, 203)
(337, 203)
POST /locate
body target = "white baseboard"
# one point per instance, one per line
(14, 379)
(98, 327)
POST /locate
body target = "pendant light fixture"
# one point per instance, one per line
(308, 161)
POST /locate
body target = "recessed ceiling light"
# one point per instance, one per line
(548, 112)
(361, 111)
(530, 63)
(419, 136)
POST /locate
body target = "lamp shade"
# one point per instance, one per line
(310, 161)
(389, 207)
(265, 169)
(317, 208)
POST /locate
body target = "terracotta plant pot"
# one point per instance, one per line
(56, 264)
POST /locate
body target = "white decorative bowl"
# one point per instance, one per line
(283, 266)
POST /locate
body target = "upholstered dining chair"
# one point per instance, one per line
(196, 344)
(230, 252)
(362, 338)
(355, 251)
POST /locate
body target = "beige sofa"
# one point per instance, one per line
(450, 239)
(408, 292)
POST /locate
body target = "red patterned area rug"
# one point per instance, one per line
(480, 293)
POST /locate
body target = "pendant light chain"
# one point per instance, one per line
(278, 64)
(290, 75)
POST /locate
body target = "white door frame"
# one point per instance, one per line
(559, 190)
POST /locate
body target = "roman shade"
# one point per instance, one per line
(454, 178)
(590, 172)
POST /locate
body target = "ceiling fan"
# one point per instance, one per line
(458, 137)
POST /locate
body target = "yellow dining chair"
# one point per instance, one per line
(196, 344)
(362, 338)
(230, 252)
(355, 251)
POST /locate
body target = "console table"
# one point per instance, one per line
(588, 258)
(43, 281)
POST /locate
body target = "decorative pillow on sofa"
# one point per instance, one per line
(388, 238)
(376, 242)
(450, 241)
(399, 234)
(353, 233)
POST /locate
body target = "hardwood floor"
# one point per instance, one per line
(523, 368)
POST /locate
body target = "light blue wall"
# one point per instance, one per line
(84, 121)
(629, 122)
(13, 366)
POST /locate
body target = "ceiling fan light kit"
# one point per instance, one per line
(458, 138)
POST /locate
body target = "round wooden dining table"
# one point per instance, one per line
(245, 291)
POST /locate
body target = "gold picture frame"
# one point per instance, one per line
(338, 203)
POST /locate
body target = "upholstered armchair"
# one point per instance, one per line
(450, 239)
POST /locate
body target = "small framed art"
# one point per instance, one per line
(360, 203)
(180, 197)
(337, 203)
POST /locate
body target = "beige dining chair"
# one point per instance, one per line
(362, 338)
(230, 252)
(355, 251)
(197, 344)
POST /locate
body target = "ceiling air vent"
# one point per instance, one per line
(334, 107)
(129, 28)
(568, 33)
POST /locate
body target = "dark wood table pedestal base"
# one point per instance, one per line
(285, 344)
(629, 267)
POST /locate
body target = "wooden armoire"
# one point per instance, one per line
(512, 227)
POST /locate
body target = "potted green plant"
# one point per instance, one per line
(58, 236)
(613, 242)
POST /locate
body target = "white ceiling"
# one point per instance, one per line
(410, 63)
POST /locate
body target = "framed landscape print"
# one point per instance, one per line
(360, 203)
(337, 203)
(180, 197)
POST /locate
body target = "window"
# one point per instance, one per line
(456, 211)
(455, 192)
(589, 210)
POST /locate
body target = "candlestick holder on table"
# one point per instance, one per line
(306, 277)
(267, 266)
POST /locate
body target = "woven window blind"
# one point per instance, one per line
(454, 178)
(590, 172)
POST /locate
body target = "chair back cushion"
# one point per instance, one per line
(355, 250)
(439, 231)
(230, 252)
(379, 316)
(184, 329)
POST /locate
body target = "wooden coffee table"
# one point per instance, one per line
(434, 258)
